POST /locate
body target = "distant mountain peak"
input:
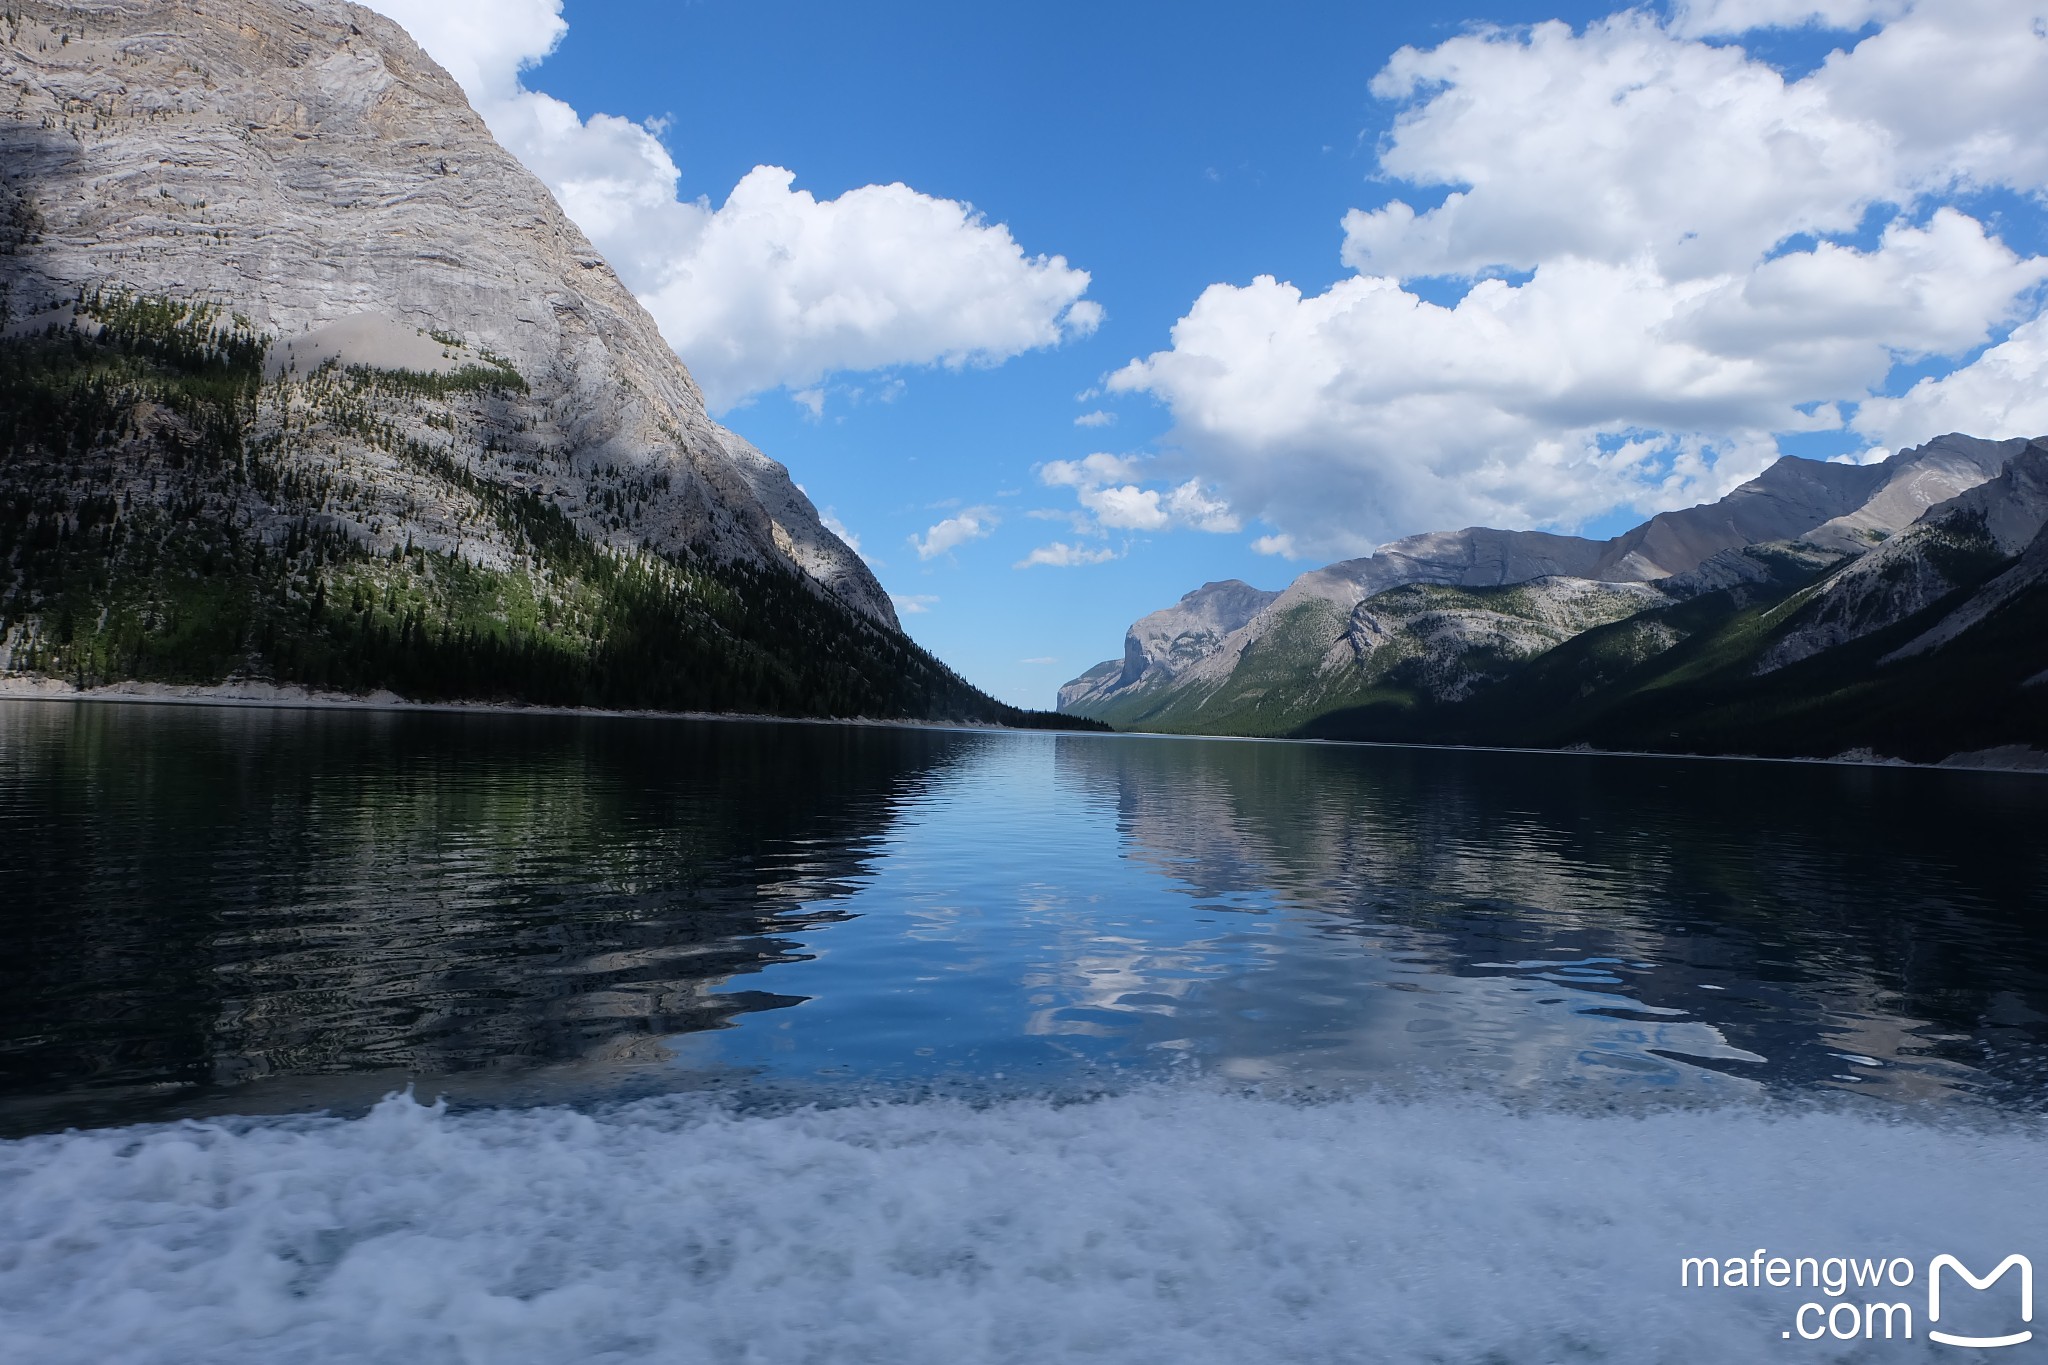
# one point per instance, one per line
(1440, 617)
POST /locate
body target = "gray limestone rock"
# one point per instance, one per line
(1159, 647)
(302, 163)
(1916, 480)
(1785, 502)
(1451, 641)
(1913, 571)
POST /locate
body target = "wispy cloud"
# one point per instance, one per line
(1060, 555)
(1089, 471)
(913, 605)
(975, 523)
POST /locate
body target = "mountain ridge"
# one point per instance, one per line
(1431, 633)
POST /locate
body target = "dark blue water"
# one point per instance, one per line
(219, 910)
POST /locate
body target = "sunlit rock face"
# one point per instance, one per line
(306, 168)
(1915, 481)
(1171, 640)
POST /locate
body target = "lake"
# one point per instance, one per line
(795, 1041)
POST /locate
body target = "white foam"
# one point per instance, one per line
(1180, 1226)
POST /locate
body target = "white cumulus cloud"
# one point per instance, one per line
(1127, 507)
(1663, 256)
(1111, 495)
(2004, 393)
(975, 523)
(774, 288)
(779, 288)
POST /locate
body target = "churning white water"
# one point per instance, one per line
(1175, 1225)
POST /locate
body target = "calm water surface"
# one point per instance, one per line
(214, 910)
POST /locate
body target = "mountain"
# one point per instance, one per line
(1949, 548)
(1159, 646)
(1837, 507)
(1748, 624)
(2010, 511)
(303, 377)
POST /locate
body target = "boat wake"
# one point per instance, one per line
(1172, 1224)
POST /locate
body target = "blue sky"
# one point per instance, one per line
(1591, 269)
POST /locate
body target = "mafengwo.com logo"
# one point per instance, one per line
(1875, 1298)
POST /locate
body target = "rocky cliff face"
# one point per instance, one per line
(1438, 619)
(1160, 646)
(1948, 548)
(1844, 508)
(303, 378)
(1916, 480)
(1310, 624)
(1446, 643)
(302, 164)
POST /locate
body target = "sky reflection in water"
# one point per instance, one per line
(237, 909)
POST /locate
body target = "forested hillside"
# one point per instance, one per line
(158, 522)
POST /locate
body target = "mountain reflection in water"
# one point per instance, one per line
(212, 909)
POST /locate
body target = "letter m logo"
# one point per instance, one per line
(1941, 1263)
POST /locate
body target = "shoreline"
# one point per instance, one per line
(294, 697)
(2009, 758)
(2023, 760)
